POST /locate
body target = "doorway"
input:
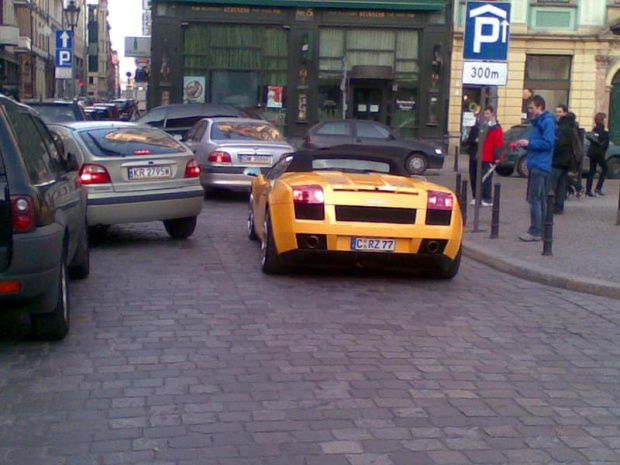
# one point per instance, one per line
(370, 100)
(614, 110)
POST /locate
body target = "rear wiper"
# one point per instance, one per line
(104, 149)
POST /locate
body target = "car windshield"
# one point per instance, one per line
(245, 131)
(129, 141)
(339, 164)
(55, 114)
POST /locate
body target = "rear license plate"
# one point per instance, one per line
(150, 172)
(258, 159)
(367, 244)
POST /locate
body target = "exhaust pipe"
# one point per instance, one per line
(432, 247)
(312, 242)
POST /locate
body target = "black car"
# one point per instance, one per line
(177, 119)
(417, 156)
(59, 111)
(43, 232)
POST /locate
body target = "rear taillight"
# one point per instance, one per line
(308, 140)
(309, 202)
(439, 208)
(440, 201)
(94, 174)
(219, 157)
(23, 214)
(308, 194)
(192, 170)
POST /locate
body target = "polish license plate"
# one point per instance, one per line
(150, 172)
(258, 159)
(375, 244)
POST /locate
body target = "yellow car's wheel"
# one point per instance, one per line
(449, 271)
(271, 263)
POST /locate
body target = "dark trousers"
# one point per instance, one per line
(595, 160)
(487, 185)
(557, 182)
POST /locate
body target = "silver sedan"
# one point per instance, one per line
(226, 146)
(135, 173)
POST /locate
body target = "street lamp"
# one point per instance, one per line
(72, 14)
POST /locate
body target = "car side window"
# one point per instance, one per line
(58, 157)
(35, 155)
(371, 131)
(155, 118)
(278, 169)
(200, 132)
(334, 128)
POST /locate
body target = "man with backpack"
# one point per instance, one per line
(565, 153)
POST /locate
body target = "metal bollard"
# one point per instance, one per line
(548, 233)
(456, 158)
(458, 186)
(618, 214)
(464, 201)
(495, 218)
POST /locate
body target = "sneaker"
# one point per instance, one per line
(527, 237)
(472, 202)
(589, 194)
(487, 204)
(600, 192)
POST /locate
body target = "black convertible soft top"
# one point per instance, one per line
(393, 156)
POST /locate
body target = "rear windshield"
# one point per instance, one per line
(56, 114)
(348, 164)
(245, 131)
(130, 141)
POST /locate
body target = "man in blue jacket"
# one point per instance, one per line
(540, 147)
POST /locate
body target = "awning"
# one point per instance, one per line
(402, 5)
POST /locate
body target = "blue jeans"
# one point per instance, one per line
(537, 198)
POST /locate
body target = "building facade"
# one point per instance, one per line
(100, 83)
(303, 61)
(563, 50)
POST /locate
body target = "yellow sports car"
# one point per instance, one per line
(353, 206)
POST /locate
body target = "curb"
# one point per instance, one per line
(540, 275)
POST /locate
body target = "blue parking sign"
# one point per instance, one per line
(64, 39)
(487, 31)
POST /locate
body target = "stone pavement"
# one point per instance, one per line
(586, 239)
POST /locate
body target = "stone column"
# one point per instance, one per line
(603, 92)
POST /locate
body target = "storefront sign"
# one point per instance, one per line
(237, 10)
(194, 89)
(469, 119)
(369, 14)
(485, 73)
(302, 107)
(274, 96)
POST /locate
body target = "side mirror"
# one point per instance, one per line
(72, 162)
(252, 172)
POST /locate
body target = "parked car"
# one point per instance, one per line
(418, 158)
(515, 159)
(128, 109)
(177, 119)
(353, 205)
(135, 173)
(43, 233)
(225, 146)
(59, 111)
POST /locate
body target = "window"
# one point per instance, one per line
(549, 77)
(371, 131)
(338, 164)
(39, 164)
(334, 128)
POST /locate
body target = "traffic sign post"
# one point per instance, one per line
(64, 54)
(485, 51)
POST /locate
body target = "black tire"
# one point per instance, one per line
(416, 163)
(80, 267)
(449, 271)
(55, 325)
(613, 168)
(270, 263)
(504, 170)
(251, 231)
(522, 167)
(180, 228)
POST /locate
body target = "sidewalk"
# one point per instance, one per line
(586, 240)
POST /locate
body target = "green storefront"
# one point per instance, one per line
(299, 62)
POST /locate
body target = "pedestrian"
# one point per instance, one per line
(471, 145)
(566, 137)
(490, 149)
(539, 155)
(574, 182)
(599, 143)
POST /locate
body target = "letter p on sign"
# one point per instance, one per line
(487, 31)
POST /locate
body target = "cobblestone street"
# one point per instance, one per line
(185, 353)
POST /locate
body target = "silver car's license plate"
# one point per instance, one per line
(259, 159)
(367, 244)
(150, 172)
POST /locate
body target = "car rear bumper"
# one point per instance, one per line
(227, 177)
(35, 265)
(144, 206)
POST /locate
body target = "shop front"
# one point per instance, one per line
(300, 62)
